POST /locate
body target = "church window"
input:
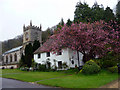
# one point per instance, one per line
(26, 36)
(10, 58)
(39, 55)
(48, 54)
(15, 57)
(6, 59)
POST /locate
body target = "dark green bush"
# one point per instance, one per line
(42, 67)
(109, 63)
(99, 62)
(113, 69)
(90, 67)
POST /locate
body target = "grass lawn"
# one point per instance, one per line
(65, 80)
(29, 76)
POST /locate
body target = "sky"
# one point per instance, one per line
(15, 13)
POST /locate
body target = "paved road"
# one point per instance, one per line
(10, 83)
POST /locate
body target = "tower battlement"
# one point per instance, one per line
(25, 28)
(31, 33)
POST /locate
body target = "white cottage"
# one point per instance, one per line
(66, 55)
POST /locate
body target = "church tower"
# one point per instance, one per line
(31, 33)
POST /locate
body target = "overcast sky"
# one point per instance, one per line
(15, 13)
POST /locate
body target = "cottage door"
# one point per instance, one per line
(60, 64)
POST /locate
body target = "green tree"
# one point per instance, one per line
(108, 15)
(118, 12)
(82, 12)
(69, 22)
(22, 61)
(28, 54)
(36, 45)
(97, 12)
(46, 34)
(60, 24)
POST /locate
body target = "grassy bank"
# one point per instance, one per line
(62, 79)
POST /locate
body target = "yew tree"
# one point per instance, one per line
(91, 39)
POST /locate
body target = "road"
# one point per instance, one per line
(10, 83)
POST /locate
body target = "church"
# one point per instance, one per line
(11, 58)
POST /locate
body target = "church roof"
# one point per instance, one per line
(13, 50)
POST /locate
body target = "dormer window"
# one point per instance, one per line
(48, 54)
(59, 53)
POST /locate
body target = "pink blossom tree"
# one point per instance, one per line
(91, 39)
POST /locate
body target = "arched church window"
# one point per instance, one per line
(6, 59)
(15, 57)
(10, 57)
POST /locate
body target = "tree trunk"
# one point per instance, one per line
(78, 60)
(87, 57)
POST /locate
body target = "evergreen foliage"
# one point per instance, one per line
(108, 15)
(36, 45)
(22, 61)
(28, 55)
(90, 67)
(118, 12)
(69, 22)
(83, 13)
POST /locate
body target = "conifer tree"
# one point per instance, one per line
(108, 15)
(28, 54)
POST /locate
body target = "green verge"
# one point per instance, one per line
(62, 78)
(30, 76)
(82, 81)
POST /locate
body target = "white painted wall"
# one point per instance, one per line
(73, 56)
(67, 56)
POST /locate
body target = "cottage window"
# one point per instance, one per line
(39, 55)
(72, 62)
(48, 54)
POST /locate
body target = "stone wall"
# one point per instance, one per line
(18, 54)
(9, 66)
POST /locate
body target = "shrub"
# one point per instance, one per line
(90, 67)
(24, 68)
(99, 62)
(113, 69)
(42, 67)
(64, 65)
(109, 63)
(72, 70)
